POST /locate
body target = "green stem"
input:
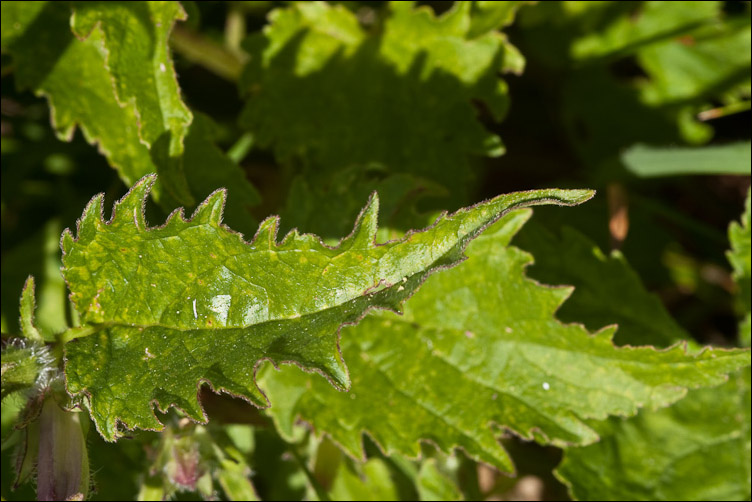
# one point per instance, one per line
(235, 31)
(320, 492)
(242, 146)
(207, 53)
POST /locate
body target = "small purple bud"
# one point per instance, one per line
(63, 464)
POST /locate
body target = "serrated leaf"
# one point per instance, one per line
(190, 301)
(328, 208)
(621, 299)
(698, 449)
(72, 75)
(134, 41)
(477, 351)
(117, 83)
(739, 256)
(327, 93)
(201, 152)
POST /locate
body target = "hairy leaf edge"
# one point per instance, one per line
(83, 36)
(534, 432)
(269, 228)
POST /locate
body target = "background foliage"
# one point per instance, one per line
(303, 109)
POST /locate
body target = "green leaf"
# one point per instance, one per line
(621, 299)
(71, 73)
(627, 28)
(373, 482)
(328, 209)
(134, 41)
(647, 162)
(328, 94)
(27, 313)
(200, 153)
(117, 83)
(487, 16)
(688, 56)
(739, 256)
(233, 478)
(698, 449)
(712, 61)
(435, 485)
(173, 306)
(478, 351)
(20, 367)
(688, 50)
(25, 361)
(39, 255)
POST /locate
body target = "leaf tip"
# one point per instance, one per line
(27, 308)
(91, 216)
(577, 196)
(266, 235)
(211, 209)
(131, 205)
(66, 241)
(366, 225)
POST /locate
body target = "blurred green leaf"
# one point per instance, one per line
(40, 256)
(115, 80)
(638, 72)
(647, 162)
(621, 299)
(326, 93)
(371, 481)
(71, 73)
(434, 484)
(739, 256)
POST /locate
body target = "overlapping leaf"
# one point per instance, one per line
(134, 41)
(327, 93)
(105, 67)
(663, 455)
(698, 449)
(72, 74)
(172, 306)
(477, 351)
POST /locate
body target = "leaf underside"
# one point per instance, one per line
(191, 301)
